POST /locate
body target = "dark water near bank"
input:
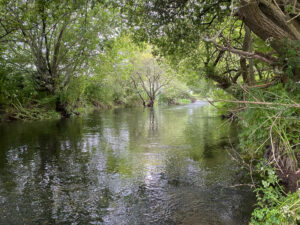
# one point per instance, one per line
(126, 166)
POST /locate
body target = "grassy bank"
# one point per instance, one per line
(46, 108)
(269, 150)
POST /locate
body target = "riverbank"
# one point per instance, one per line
(48, 111)
(268, 148)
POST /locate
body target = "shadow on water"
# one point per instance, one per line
(126, 166)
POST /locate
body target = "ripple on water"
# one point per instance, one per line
(125, 166)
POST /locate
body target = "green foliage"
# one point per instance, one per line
(176, 93)
(272, 125)
(172, 25)
(70, 55)
(269, 142)
(15, 85)
(54, 41)
(291, 60)
(99, 92)
(184, 101)
(20, 99)
(72, 98)
(274, 206)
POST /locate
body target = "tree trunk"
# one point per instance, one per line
(243, 62)
(62, 108)
(269, 22)
(150, 103)
(251, 64)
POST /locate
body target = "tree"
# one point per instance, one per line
(148, 78)
(52, 40)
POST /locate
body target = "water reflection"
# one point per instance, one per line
(137, 166)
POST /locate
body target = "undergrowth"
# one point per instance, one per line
(270, 149)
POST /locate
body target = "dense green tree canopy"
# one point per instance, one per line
(179, 28)
(53, 40)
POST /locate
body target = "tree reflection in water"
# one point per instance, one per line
(125, 166)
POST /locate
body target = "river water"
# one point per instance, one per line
(125, 166)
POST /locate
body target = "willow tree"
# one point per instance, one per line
(53, 40)
(148, 78)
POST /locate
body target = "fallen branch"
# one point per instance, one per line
(262, 85)
(258, 103)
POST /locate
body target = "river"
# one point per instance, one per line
(138, 166)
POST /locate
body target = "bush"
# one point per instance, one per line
(269, 141)
(176, 93)
(274, 206)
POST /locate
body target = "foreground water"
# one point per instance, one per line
(126, 166)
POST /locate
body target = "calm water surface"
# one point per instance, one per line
(125, 166)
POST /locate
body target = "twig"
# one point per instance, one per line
(241, 160)
(271, 140)
(293, 18)
(238, 185)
